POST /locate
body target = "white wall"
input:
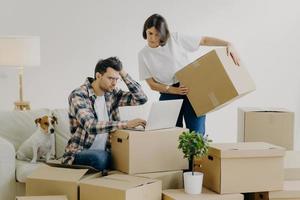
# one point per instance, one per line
(76, 33)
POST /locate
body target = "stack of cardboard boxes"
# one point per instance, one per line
(243, 167)
(150, 164)
(229, 169)
(276, 126)
(150, 161)
(147, 162)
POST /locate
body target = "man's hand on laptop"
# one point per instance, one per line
(136, 122)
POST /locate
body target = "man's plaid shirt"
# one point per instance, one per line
(84, 125)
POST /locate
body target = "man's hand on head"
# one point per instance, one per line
(123, 73)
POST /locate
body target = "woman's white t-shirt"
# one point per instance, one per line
(102, 115)
(163, 62)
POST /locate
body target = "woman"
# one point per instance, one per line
(165, 54)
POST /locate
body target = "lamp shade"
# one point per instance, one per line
(19, 51)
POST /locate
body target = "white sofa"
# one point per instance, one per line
(15, 127)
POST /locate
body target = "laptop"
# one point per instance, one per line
(162, 115)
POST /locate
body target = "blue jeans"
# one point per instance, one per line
(192, 122)
(99, 159)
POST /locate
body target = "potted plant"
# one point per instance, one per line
(193, 145)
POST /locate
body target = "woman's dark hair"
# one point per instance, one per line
(160, 24)
(112, 62)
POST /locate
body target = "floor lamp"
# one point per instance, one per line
(20, 51)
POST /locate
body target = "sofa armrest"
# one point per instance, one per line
(7, 170)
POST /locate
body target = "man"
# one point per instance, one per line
(94, 113)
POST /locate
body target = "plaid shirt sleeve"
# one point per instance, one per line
(135, 95)
(84, 114)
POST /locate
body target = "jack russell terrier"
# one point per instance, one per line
(39, 143)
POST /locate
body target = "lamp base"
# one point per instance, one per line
(22, 105)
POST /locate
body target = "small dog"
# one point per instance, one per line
(39, 143)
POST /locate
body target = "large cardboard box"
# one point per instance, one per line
(214, 81)
(292, 165)
(48, 180)
(120, 187)
(42, 198)
(243, 167)
(136, 152)
(205, 195)
(291, 191)
(170, 179)
(271, 125)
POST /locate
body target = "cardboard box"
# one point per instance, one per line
(170, 179)
(136, 152)
(291, 191)
(120, 187)
(292, 165)
(42, 198)
(271, 125)
(214, 81)
(205, 195)
(197, 164)
(48, 180)
(243, 167)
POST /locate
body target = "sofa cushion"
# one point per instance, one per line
(62, 131)
(17, 126)
(24, 169)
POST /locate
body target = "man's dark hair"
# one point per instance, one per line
(160, 24)
(103, 64)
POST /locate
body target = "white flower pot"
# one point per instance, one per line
(193, 183)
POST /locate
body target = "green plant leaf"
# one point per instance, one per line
(193, 144)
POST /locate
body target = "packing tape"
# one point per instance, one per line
(213, 99)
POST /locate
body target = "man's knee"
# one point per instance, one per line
(101, 160)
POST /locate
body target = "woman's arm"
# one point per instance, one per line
(154, 85)
(211, 41)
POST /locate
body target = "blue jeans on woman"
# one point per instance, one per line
(99, 159)
(187, 112)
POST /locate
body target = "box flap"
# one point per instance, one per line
(157, 175)
(291, 190)
(206, 194)
(245, 149)
(54, 163)
(57, 173)
(120, 181)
